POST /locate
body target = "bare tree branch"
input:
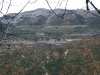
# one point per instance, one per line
(11, 4)
(54, 12)
(2, 5)
(64, 11)
(61, 3)
(94, 7)
(21, 9)
(33, 2)
(57, 4)
(87, 6)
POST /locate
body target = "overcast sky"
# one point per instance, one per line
(17, 5)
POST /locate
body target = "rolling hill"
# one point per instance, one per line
(47, 17)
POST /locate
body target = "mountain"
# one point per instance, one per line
(47, 17)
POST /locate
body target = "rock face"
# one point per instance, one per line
(47, 17)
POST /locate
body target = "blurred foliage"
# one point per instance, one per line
(38, 59)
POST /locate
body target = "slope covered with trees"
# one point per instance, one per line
(73, 58)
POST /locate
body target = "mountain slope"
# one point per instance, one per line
(46, 17)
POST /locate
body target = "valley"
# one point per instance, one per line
(40, 43)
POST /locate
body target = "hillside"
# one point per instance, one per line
(46, 17)
(73, 58)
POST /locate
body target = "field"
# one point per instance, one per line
(52, 33)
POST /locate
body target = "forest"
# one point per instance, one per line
(73, 58)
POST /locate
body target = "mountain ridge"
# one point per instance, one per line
(43, 16)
